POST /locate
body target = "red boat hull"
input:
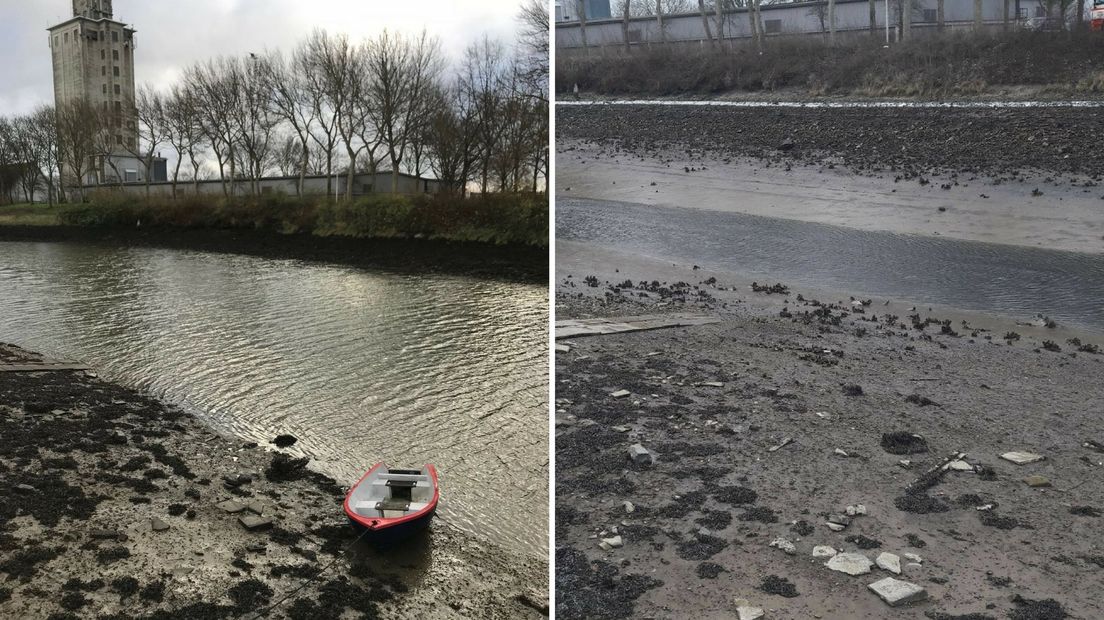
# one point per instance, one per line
(381, 531)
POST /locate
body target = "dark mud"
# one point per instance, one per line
(911, 143)
(516, 263)
(110, 508)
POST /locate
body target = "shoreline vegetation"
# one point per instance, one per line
(500, 235)
(119, 506)
(951, 65)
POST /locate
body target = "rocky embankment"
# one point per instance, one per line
(821, 458)
(1003, 144)
(114, 505)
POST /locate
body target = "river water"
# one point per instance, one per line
(1012, 281)
(361, 366)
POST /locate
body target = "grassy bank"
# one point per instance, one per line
(501, 219)
(929, 66)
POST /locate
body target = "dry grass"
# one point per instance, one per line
(932, 66)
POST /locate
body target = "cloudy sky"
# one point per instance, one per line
(170, 38)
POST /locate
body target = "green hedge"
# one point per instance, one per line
(497, 218)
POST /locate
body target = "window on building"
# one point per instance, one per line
(103, 55)
(130, 142)
(118, 107)
(1040, 11)
(66, 37)
(114, 36)
(103, 70)
(115, 70)
(118, 139)
(930, 15)
(118, 89)
(105, 89)
(115, 54)
(772, 26)
(131, 176)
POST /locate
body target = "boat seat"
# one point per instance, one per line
(393, 504)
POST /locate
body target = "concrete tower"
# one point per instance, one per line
(93, 57)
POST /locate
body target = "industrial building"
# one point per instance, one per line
(93, 60)
(803, 18)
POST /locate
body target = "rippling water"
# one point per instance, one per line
(361, 366)
(1003, 279)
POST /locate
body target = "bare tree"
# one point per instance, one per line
(153, 127)
(977, 15)
(184, 132)
(873, 18)
(80, 128)
(326, 105)
(41, 128)
(719, 6)
(705, 22)
(254, 120)
(291, 100)
(832, 21)
(580, 7)
(402, 72)
(940, 14)
(216, 96)
(659, 21)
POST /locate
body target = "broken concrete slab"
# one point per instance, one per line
(640, 454)
(850, 563)
(599, 327)
(614, 542)
(823, 551)
(230, 506)
(890, 562)
(1037, 481)
(896, 592)
(912, 557)
(746, 612)
(1022, 458)
(959, 465)
(784, 545)
(251, 522)
(563, 348)
(620, 394)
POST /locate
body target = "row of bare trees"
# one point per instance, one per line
(330, 106)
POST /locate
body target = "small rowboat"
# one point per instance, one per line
(388, 505)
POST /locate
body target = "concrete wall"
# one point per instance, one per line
(791, 18)
(363, 184)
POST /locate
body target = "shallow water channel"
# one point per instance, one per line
(1012, 281)
(361, 366)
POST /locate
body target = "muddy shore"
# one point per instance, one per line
(796, 406)
(1004, 144)
(519, 263)
(114, 505)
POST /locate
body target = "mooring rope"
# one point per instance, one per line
(265, 610)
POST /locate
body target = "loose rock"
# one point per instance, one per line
(896, 592)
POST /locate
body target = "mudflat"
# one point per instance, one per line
(805, 420)
(115, 505)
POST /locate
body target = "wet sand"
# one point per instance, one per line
(111, 507)
(1063, 217)
(705, 512)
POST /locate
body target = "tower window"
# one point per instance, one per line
(114, 36)
(105, 89)
(118, 139)
(66, 37)
(118, 107)
(115, 70)
(115, 54)
(103, 70)
(118, 90)
(103, 54)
